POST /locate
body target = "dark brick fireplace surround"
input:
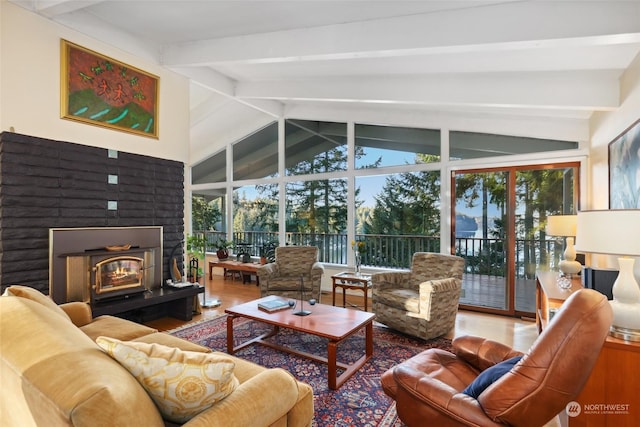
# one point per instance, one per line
(55, 184)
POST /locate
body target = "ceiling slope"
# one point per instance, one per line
(253, 61)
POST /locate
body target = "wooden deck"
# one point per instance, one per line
(491, 292)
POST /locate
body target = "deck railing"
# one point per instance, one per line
(483, 256)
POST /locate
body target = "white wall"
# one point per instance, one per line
(605, 127)
(30, 89)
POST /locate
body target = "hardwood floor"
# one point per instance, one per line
(517, 333)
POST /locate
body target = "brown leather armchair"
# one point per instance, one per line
(428, 387)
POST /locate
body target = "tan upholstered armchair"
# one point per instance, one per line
(282, 277)
(473, 387)
(422, 302)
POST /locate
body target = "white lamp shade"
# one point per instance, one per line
(561, 225)
(613, 232)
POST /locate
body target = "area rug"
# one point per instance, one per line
(359, 402)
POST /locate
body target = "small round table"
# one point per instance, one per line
(351, 280)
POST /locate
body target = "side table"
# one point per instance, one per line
(351, 280)
(550, 296)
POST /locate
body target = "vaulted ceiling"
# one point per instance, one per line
(252, 61)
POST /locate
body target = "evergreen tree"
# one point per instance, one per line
(409, 203)
(317, 206)
(204, 214)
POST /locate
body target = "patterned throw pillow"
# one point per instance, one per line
(181, 383)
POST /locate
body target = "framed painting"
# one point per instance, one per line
(624, 169)
(101, 91)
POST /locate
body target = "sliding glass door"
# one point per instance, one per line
(499, 218)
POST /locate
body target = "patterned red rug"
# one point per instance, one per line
(359, 402)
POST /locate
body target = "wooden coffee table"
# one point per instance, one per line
(334, 323)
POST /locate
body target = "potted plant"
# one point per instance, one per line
(267, 252)
(196, 245)
(223, 246)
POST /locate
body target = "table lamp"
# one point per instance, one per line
(565, 226)
(616, 232)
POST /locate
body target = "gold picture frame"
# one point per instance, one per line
(102, 91)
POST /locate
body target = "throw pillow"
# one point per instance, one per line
(35, 295)
(489, 376)
(181, 383)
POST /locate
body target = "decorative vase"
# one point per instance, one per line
(358, 262)
(222, 253)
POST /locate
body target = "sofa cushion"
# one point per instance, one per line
(181, 383)
(400, 299)
(115, 327)
(292, 283)
(37, 296)
(171, 341)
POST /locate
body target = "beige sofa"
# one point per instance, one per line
(54, 374)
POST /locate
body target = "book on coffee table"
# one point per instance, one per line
(273, 305)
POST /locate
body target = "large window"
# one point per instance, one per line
(256, 156)
(255, 217)
(387, 195)
(208, 216)
(315, 147)
(379, 146)
(213, 169)
(473, 145)
(397, 215)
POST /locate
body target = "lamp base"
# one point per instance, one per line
(570, 268)
(625, 333)
(210, 303)
(302, 313)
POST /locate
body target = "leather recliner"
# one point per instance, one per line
(428, 387)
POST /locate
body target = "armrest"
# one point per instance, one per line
(389, 279)
(261, 400)
(424, 390)
(317, 269)
(268, 271)
(482, 353)
(79, 312)
(439, 285)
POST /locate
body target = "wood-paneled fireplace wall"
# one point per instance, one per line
(54, 184)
